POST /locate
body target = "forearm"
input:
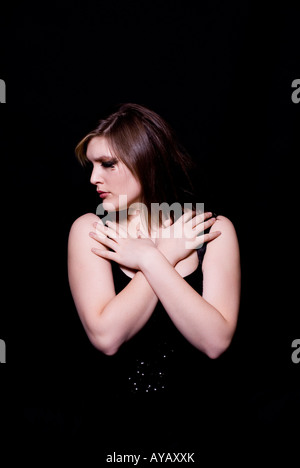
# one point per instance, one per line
(201, 323)
(125, 314)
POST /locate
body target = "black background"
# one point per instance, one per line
(220, 73)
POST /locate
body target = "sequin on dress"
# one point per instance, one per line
(158, 357)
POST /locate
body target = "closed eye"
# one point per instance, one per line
(108, 163)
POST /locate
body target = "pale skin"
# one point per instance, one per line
(157, 261)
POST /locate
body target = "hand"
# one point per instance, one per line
(176, 241)
(124, 249)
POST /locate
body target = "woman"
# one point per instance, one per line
(142, 286)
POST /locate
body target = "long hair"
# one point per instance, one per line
(148, 146)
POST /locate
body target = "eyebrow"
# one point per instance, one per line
(100, 158)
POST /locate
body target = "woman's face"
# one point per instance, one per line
(116, 185)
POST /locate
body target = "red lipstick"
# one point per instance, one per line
(102, 194)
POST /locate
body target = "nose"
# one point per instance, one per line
(96, 176)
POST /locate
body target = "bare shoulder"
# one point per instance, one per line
(81, 227)
(223, 224)
(226, 227)
(79, 238)
(84, 222)
(226, 245)
(222, 272)
(83, 265)
(90, 277)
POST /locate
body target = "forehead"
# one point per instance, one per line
(97, 148)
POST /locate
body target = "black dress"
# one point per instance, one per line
(158, 359)
(158, 390)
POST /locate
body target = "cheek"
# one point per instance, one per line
(134, 188)
(126, 183)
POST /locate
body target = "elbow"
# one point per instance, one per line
(216, 349)
(103, 344)
(110, 351)
(102, 341)
(215, 352)
(219, 342)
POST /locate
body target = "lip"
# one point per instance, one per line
(102, 194)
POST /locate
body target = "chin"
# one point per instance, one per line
(110, 206)
(122, 203)
(117, 204)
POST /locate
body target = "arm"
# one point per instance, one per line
(207, 321)
(108, 319)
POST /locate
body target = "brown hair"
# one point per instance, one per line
(143, 141)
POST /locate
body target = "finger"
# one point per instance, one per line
(211, 236)
(203, 226)
(142, 231)
(99, 222)
(199, 218)
(139, 232)
(187, 216)
(107, 241)
(119, 230)
(196, 218)
(101, 229)
(108, 254)
(167, 223)
(105, 231)
(200, 240)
